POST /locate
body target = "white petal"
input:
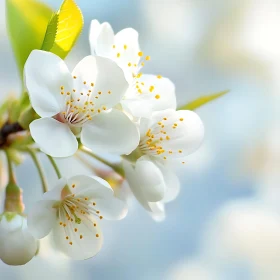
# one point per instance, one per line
(86, 70)
(81, 244)
(54, 138)
(111, 132)
(45, 74)
(110, 82)
(156, 94)
(19, 246)
(55, 193)
(93, 34)
(41, 219)
(151, 180)
(171, 181)
(91, 187)
(102, 79)
(127, 46)
(134, 184)
(105, 40)
(158, 211)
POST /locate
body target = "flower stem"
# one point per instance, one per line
(55, 167)
(117, 168)
(10, 167)
(39, 168)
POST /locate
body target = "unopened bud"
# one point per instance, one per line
(13, 200)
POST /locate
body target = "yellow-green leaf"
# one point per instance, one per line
(50, 33)
(27, 22)
(202, 100)
(64, 29)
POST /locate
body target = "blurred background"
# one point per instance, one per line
(225, 224)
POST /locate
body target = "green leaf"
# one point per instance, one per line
(27, 21)
(63, 29)
(202, 100)
(50, 33)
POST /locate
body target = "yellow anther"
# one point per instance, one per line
(139, 90)
(101, 217)
(92, 84)
(62, 93)
(81, 237)
(175, 124)
(71, 243)
(75, 229)
(140, 54)
(93, 203)
(85, 82)
(86, 198)
(114, 46)
(61, 223)
(73, 186)
(181, 119)
(75, 77)
(129, 64)
(125, 47)
(97, 235)
(167, 137)
(165, 119)
(148, 57)
(68, 93)
(139, 75)
(180, 151)
(109, 92)
(164, 157)
(157, 96)
(67, 237)
(142, 63)
(94, 224)
(98, 110)
(99, 92)
(159, 76)
(97, 212)
(118, 54)
(151, 88)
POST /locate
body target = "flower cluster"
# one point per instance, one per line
(105, 105)
(108, 105)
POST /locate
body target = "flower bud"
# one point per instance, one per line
(17, 245)
(13, 201)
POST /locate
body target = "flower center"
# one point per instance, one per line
(156, 140)
(81, 103)
(74, 211)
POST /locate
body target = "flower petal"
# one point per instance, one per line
(158, 211)
(101, 81)
(171, 181)
(111, 132)
(91, 187)
(41, 218)
(126, 50)
(153, 93)
(134, 184)
(105, 40)
(94, 31)
(19, 246)
(54, 138)
(151, 179)
(79, 241)
(45, 74)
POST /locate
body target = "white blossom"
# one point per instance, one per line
(73, 211)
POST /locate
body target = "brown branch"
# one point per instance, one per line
(7, 129)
